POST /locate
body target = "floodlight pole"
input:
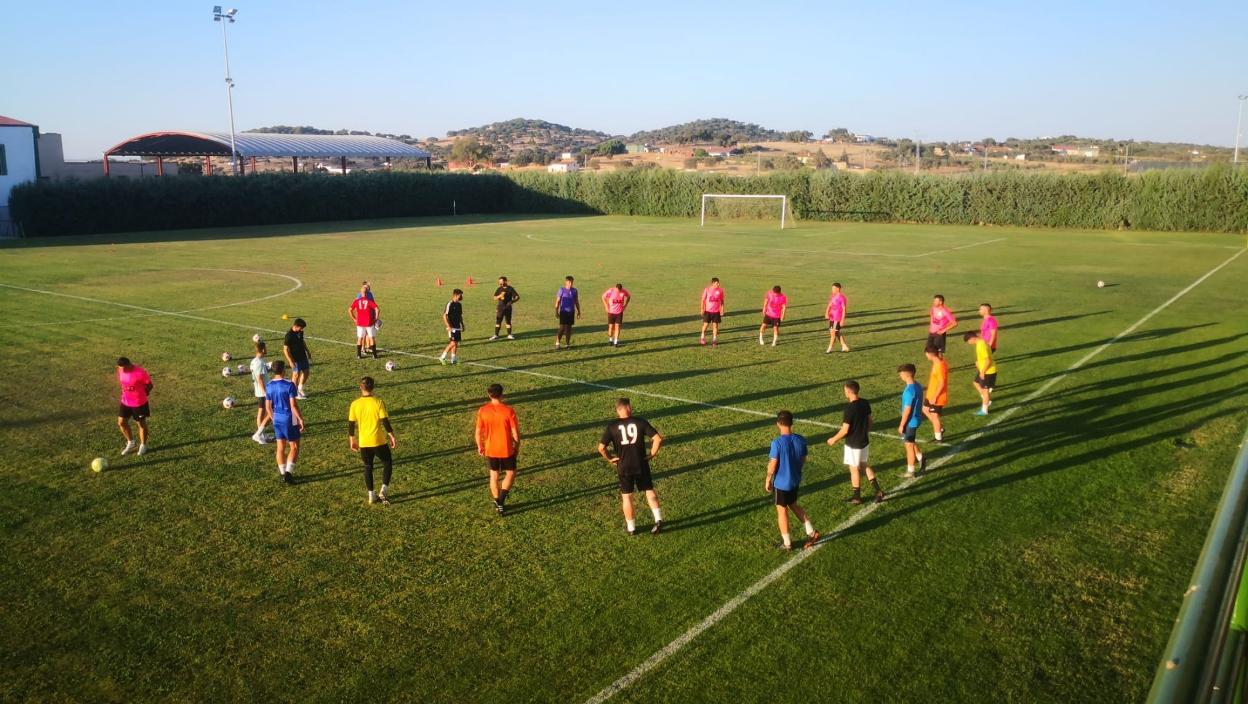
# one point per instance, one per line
(1239, 121)
(225, 18)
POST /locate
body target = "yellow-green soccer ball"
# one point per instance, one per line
(99, 464)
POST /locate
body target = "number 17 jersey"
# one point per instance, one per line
(627, 437)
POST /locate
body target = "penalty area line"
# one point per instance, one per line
(735, 602)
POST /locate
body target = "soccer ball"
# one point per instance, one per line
(255, 338)
(377, 324)
(391, 366)
(1100, 284)
(226, 371)
(242, 369)
(227, 402)
(225, 357)
(268, 366)
(99, 464)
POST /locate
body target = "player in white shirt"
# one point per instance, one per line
(260, 377)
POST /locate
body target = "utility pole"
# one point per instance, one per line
(225, 18)
(917, 155)
(1239, 121)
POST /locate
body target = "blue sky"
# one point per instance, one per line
(100, 72)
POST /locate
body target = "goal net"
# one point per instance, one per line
(751, 207)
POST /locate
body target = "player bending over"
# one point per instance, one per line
(567, 310)
(937, 395)
(774, 306)
(784, 474)
(259, 378)
(282, 405)
(453, 319)
(627, 438)
(712, 309)
(911, 418)
(498, 441)
(364, 311)
(136, 385)
(985, 371)
(369, 433)
(837, 307)
(856, 431)
(615, 300)
(506, 297)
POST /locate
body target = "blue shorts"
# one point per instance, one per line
(302, 366)
(285, 428)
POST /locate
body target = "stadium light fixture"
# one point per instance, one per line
(1239, 121)
(227, 17)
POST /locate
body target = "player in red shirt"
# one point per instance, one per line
(364, 312)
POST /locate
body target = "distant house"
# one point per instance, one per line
(567, 156)
(1074, 150)
(19, 161)
(563, 167)
(637, 148)
(863, 138)
(716, 151)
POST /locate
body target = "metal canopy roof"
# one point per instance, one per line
(255, 144)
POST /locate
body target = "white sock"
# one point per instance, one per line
(810, 528)
(788, 540)
(281, 469)
(290, 467)
(454, 358)
(658, 513)
(371, 496)
(630, 524)
(442, 356)
(910, 469)
(919, 457)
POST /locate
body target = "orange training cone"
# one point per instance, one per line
(471, 282)
(439, 282)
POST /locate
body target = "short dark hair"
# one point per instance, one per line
(714, 279)
(785, 418)
(300, 322)
(568, 278)
(367, 383)
(494, 391)
(986, 305)
(932, 349)
(969, 336)
(261, 347)
(623, 402)
(908, 368)
(278, 367)
(939, 298)
(619, 287)
(836, 284)
(502, 278)
(457, 292)
(852, 385)
(775, 289)
(123, 361)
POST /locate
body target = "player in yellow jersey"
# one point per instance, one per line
(370, 434)
(985, 370)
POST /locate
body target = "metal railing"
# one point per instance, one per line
(1206, 659)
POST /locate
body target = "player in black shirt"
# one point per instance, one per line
(856, 431)
(297, 355)
(506, 296)
(453, 318)
(627, 438)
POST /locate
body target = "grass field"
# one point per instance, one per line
(1043, 560)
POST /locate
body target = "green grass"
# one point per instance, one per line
(1045, 562)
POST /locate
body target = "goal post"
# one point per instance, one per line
(736, 197)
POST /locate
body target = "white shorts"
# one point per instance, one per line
(259, 393)
(856, 457)
(362, 332)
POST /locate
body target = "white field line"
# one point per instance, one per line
(809, 251)
(732, 604)
(298, 285)
(151, 312)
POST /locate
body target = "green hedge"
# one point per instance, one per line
(1213, 199)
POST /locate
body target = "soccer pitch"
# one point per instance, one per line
(1043, 558)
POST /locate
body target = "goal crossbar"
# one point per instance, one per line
(784, 203)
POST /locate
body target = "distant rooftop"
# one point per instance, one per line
(10, 122)
(252, 144)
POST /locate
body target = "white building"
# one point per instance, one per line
(19, 161)
(563, 167)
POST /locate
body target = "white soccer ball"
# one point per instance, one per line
(391, 366)
(228, 402)
(255, 338)
(225, 357)
(1100, 284)
(99, 464)
(268, 366)
(377, 324)
(243, 369)
(226, 371)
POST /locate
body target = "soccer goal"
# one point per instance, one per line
(733, 205)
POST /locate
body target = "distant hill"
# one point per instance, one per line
(539, 140)
(716, 130)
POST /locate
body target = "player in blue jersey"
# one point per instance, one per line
(281, 405)
(911, 418)
(784, 475)
(567, 310)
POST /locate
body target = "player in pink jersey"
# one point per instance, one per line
(941, 321)
(615, 300)
(712, 310)
(774, 306)
(988, 328)
(837, 307)
(135, 386)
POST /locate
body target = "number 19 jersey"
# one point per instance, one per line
(627, 437)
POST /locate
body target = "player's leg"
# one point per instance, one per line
(123, 424)
(387, 472)
(831, 336)
(507, 322)
(705, 323)
(983, 398)
(372, 341)
(626, 504)
(366, 455)
(840, 333)
(141, 421)
(762, 329)
(812, 535)
(455, 348)
(498, 323)
(875, 483)
(359, 342)
(291, 455)
(494, 485)
(280, 451)
(775, 334)
(933, 415)
(646, 483)
(504, 487)
(782, 521)
(855, 483)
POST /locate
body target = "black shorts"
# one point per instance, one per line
(936, 340)
(987, 381)
(455, 334)
(769, 321)
(935, 410)
(833, 325)
(135, 412)
(712, 317)
(615, 318)
(381, 452)
(502, 464)
(786, 497)
(567, 318)
(503, 315)
(911, 435)
(636, 482)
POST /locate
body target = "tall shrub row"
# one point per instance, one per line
(1213, 199)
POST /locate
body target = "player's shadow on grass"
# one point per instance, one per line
(1139, 336)
(126, 464)
(482, 480)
